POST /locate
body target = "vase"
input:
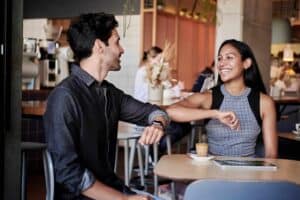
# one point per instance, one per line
(155, 94)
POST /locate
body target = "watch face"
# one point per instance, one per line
(159, 123)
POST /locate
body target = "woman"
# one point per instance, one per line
(141, 84)
(239, 77)
(175, 130)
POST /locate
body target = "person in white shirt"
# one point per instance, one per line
(141, 83)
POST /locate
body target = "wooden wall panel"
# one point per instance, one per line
(196, 44)
(185, 51)
(203, 47)
(165, 29)
(211, 43)
(147, 31)
(166, 32)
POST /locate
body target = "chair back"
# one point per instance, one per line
(49, 175)
(245, 190)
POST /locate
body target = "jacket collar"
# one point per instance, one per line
(84, 76)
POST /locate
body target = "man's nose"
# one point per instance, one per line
(121, 50)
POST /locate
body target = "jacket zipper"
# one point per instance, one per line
(107, 125)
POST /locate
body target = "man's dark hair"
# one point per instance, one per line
(86, 29)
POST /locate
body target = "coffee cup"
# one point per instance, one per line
(202, 149)
(297, 126)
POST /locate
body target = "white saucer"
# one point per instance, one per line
(296, 132)
(200, 158)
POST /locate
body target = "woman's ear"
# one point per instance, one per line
(247, 63)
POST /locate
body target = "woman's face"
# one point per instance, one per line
(153, 57)
(230, 65)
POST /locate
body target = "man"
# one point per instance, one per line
(83, 111)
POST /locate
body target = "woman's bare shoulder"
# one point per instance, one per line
(267, 101)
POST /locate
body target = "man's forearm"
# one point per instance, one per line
(99, 191)
(159, 115)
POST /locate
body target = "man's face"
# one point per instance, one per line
(113, 52)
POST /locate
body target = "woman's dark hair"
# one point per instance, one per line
(144, 58)
(86, 29)
(155, 49)
(252, 75)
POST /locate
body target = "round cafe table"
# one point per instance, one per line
(182, 167)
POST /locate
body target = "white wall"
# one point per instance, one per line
(229, 21)
(248, 21)
(34, 28)
(124, 79)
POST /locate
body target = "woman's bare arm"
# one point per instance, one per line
(268, 115)
(196, 107)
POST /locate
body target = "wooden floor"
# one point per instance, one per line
(36, 187)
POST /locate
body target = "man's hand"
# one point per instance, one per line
(138, 197)
(229, 118)
(151, 134)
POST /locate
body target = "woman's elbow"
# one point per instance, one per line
(271, 153)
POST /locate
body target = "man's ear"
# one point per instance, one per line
(98, 46)
(247, 63)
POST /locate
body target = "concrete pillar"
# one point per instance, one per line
(251, 22)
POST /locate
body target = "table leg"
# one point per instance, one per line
(146, 159)
(126, 167)
(169, 148)
(116, 157)
(131, 156)
(140, 159)
(155, 152)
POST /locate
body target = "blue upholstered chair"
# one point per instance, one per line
(242, 190)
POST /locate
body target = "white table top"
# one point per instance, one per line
(182, 167)
(127, 131)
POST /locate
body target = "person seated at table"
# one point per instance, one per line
(205, 79)
(240, 90)
(83, 111)
(175, 130)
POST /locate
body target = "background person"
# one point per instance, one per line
(205, 79)
(141, 83)
(175, 130)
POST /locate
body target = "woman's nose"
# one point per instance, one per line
(220, 63)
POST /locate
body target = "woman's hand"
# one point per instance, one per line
(229, 118)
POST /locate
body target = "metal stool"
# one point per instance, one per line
(25, 147)
(49, 175)
(127, 163)
(127, 133)
(155, 159)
